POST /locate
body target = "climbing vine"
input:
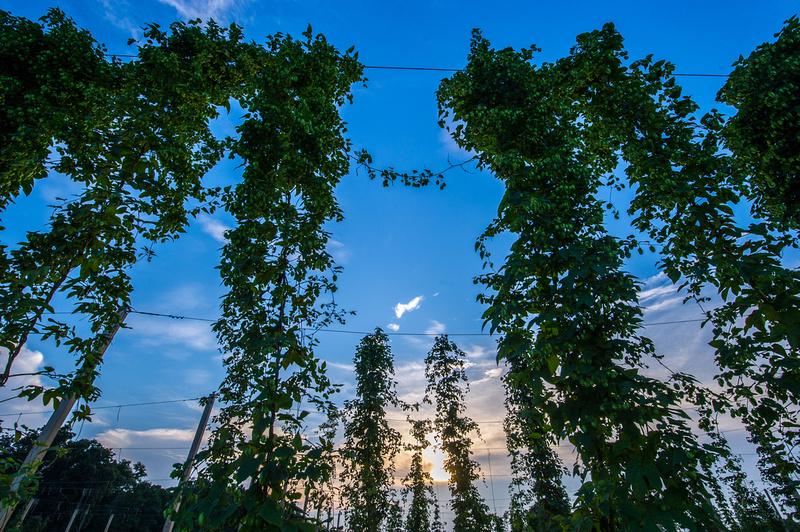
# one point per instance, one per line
(422, 513)
(370, 444)
(259, 464)
(446, 391)
(139, 166)
(686, 188)
(563, 286)
(539, 501)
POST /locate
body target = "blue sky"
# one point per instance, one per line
(395, 244)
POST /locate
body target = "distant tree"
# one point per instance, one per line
(446, 391)
(746, 508)
(84, 475)
(371, 445)
(422, 513)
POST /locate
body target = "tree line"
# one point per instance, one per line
(135, 136)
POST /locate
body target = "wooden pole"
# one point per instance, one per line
(49, 432)
(72, 519)
(108, 523)
(31, 504)
(187, 467)
(775, 507)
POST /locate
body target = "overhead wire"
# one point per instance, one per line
(400, 68)
(389, 333)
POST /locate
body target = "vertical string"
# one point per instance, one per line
(491, 479)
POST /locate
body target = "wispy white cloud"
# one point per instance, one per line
(664, 304)
(338, 251)
(402, 308)
(219, 10)
(394, 327)
(214, 227)
(475, 352)
(111, 10)
(340, 366)
(170, 334)
(119, 437)
(188, 296)
(659, 294)
(158, 448)
(436, 327)
(657, 291)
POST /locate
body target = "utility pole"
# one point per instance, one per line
(187, 466)
(50, 430)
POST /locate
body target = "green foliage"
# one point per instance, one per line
(276, 269)
(83, 474)
(370, 444)
(446, 390)
(561, 301)
(764, 134)
(422, 514)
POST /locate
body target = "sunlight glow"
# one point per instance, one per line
(434, 458)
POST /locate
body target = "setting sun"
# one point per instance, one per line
(435, 458)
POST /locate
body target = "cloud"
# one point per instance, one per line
(477, 352)
(394, 327)
(659, 294)
(28, 361)
(340, 366)
(157, 437)
(158, 448)
(435, 327)
(338, 251)
(402, 308)
(658, 291)
(186, 297)
(665, 304)
(450, 146)
(214, 227)
(204, 9)
(164, 334)
(110, 10)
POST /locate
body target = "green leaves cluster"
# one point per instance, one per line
(763, 134)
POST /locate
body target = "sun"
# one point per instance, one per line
(435, 458)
